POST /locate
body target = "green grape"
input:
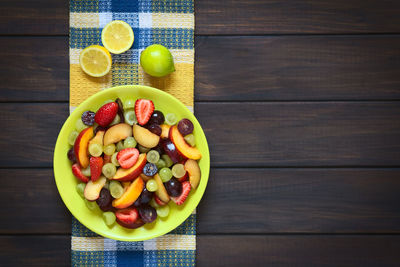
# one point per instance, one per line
(86, 171)
(72, 137)
(79, 125)
(130, 116)
(153, 156)
(165, 174)
(160, 164)
(151, 185)
(178, 170)
(130, 142)
(80, 188)
(167, 160)
(116, 189)
(143, 149)
(163, 211)
(109, 218)
(171, 119)
(109, 149)
(116, 120)
(120, 146)
(129, 103)
(95, 150)
(90, 204)
(109, 170)
(107, 184)
(153, 203)
(190, 139)
(114, 159)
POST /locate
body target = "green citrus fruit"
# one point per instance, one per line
(157, 60)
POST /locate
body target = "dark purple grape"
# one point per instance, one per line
(120, 109)
(185, 126)
(159, 148)
(157, 117)
(88, 117)
(144, 197)
(154, 128)
(174, 187)
(71, 155)
(147, 213)
(150, 169)
(105, 200)
(170, 149)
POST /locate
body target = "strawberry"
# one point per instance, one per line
(96, 164)
(127, 216)
(127, 157)
(106, 114)
(159, 201)
(185, 192)
(143, 110)
(183, 178)
(107, 159)
(76, 170)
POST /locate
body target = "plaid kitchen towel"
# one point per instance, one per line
(170, 23)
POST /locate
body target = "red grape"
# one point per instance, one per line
(185, 126)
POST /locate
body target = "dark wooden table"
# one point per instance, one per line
(300, 104)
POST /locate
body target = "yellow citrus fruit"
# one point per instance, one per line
(117, 36)
(95, 60)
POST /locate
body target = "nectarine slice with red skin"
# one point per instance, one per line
(165, 130)
(98, 138)
(130, 195)
(193, 169)
(161, 192)
(124, 175)
(117, 133)
(81, 147)
(93, 188)
(183, 148)
(144, 137)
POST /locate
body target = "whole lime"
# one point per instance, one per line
(157, 60)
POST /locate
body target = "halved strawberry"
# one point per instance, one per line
(159, 201)
(96, 164)
(127, 216)
(106, 114)
(183, 178)
(127, 157)
(143, 110)
(107, 159)
(185, 192)
(77, 171)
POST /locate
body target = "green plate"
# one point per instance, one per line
(66, 181)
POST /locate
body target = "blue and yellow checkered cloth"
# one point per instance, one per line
(170, 23)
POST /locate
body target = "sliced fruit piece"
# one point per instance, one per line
(95, 61)
(184, 178)
(130, 195)
(81, 147)
(185, 192)
(158, 201)
(96, 164)
(117, 133)
(117, 36)
(124, 175)
(143, 109)
(165, 130)
(107, 159)
(127, 157)
(181, 145)
(193, 169)
(77, 171)
(138, 223)
(161, 192)
(127, 216)
(106, 114)
(144, 137)
(93, 188)
(145, 177)
(98, 138)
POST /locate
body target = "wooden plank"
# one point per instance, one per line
(34, 69)
(48, 17)
(255, 68)
(300, 201)
(297, 68)
(237, 201)
(35, 250)
(240, 134)
(297, 250)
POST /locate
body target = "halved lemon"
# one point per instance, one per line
(117, 36)
(95, 60)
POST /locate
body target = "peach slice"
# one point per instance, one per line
(192, 167)
(117, 133)
(161, 191)
(130, 195)
(98, 139)
(92, 189)
(124, 175)
(181, 145)
(165, 130)
(81, 147)
(144, 137)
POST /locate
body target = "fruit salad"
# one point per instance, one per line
(133, 161)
